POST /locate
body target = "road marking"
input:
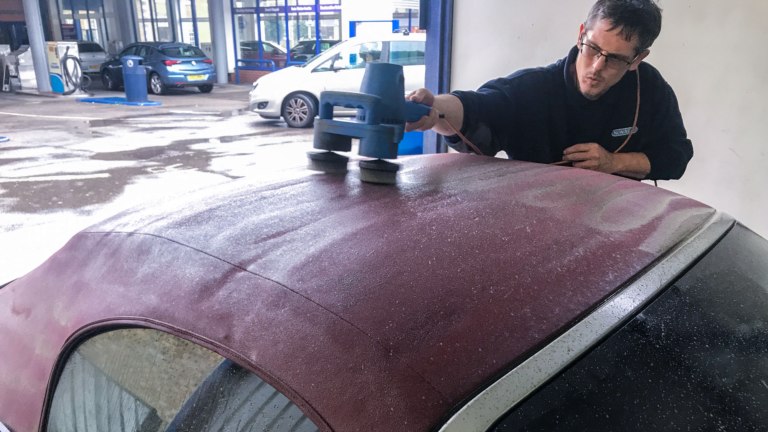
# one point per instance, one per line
(50, 117)
(53, 178)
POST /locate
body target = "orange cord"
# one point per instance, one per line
(461, 136)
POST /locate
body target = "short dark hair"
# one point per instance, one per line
(641, 18)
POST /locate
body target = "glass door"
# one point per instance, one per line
(152, 21)
(84, 20)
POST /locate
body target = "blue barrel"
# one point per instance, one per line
(134, 79)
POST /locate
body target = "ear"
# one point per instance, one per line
(635, 64)
(581, 32)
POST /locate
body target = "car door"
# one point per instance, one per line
(145, 52)
(115, 66)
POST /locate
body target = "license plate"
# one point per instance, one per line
(94, 67)
(196, 77)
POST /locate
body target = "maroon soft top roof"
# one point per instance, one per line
(378, 307)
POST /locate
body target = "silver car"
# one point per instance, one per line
(92, 55)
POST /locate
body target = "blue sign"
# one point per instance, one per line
(290, 9)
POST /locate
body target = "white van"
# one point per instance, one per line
(294, 93)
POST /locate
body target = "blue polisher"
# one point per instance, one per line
(382, 112)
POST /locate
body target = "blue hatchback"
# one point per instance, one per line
(169, 64)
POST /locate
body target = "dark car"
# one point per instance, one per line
(476, 294)
(168, 64)
(305, 50)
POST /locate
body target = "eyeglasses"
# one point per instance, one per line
(612, 61)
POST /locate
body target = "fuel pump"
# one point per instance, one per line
(9, 69)
(66, 72)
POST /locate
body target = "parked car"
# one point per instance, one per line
(293, 93)
(305, 50)
(478, 294)
(91, 55)
(169, 65)
(272, 55)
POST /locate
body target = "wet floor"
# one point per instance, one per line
(68, 167)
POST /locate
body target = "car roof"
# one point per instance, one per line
(256, 43)
(379, 37)
(161, 45)
(385, 37)
(369, 305)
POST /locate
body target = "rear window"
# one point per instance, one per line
(407, 53)
(183, 52)
(142, 380)
(695, 359)
(87, 47)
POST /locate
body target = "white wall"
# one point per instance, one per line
(364, 10)
(710, 51)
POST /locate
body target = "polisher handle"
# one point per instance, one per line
(414, 111)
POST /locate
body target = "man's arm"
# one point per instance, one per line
(594, 157)
(446, 117)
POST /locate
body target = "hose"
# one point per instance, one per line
(72, 72)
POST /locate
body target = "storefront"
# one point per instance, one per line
(259, 35)
(265, 30)
(82, 19)
(172, 20)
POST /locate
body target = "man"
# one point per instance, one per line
(583, 110)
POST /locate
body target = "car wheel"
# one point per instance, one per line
(299, 111)
(206, 88)
(108, 81)
(156, 85)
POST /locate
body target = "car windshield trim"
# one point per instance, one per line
(493, 402)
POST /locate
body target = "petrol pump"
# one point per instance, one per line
(64, 66)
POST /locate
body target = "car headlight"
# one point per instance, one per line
(254, 85)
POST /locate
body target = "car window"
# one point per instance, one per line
(353, 57)
(146, 380)
(85, 47)
(269, 49)
(131, 50)
(187, 51)
(334, 62)
(695, 359)
(364, 53)
(143, 51)
(308, 48)
(407, 53)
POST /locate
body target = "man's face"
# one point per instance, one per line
(595, 73)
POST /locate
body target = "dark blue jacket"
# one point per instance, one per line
(534, 114)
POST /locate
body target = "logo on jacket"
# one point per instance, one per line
(623, 132)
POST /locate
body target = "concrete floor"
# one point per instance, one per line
(68, 164)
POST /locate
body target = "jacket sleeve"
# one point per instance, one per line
(486, 116)
(669, 149)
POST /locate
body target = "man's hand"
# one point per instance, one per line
(593, 156)
(446, 116)
(423, 96)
